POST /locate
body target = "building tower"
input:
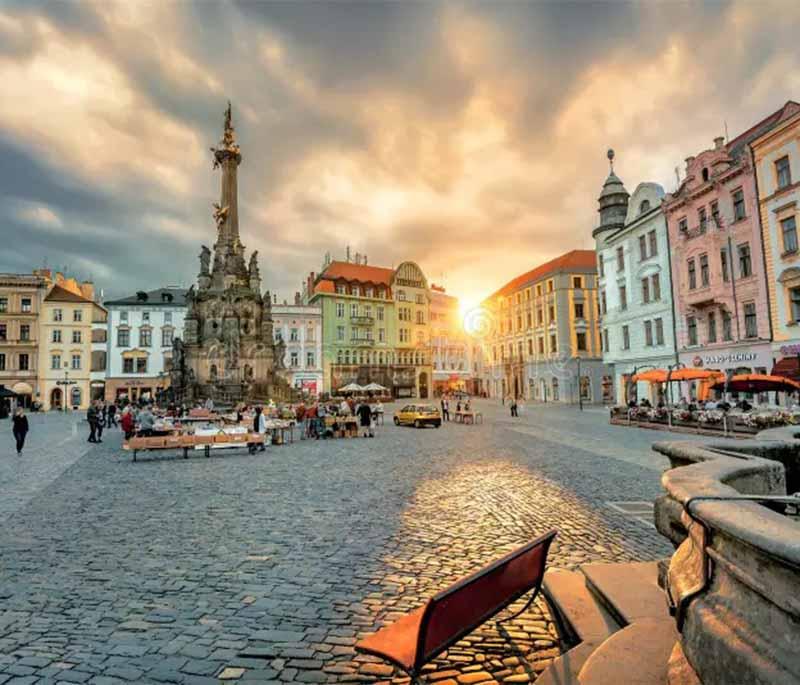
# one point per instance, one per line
(613, 203)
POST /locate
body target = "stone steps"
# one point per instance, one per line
(615, 618)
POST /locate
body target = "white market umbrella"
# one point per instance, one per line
(374, 387)
(351, 387)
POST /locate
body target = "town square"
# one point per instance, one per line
(435, 343)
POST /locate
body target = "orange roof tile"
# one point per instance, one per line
(59, 294)
(362, 273)
(576, 259)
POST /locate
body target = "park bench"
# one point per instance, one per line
(418, 637)
(186, 442)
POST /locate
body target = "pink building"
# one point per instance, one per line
(718, 273)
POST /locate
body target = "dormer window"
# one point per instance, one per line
(705, 174)
(644, 206)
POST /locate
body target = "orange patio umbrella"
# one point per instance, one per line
(652, 376)
(758, 382)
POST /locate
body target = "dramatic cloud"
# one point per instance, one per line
(469, 137)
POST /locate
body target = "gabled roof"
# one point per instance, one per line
(571, 261)
(362, 273)
(59, 294)
(738, 144)
(163, 297)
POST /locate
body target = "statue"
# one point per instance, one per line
(280, 353)
(220, 214)
(177, 354)
(254, 264)
(205, 260)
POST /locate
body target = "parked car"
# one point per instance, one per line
(418, 415)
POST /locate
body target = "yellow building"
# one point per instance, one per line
(67, 318)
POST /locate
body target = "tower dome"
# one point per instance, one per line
(613, 202)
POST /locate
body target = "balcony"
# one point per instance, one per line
(700, 298)
(362, 342)
(362, 320)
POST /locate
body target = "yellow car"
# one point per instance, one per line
(418, 415)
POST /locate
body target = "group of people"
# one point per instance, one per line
(100, 415)
(691, 405)
(445, 404)
(367, 413)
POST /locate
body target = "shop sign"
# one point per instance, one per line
(790, 350)
(730, 359)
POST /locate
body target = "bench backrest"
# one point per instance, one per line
(464, 606)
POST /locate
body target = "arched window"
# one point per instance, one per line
(339, 357)
(644, 206)
(705, 174)
(75, 396)
(347, 356)
(555, 389)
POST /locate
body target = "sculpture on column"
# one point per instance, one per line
(205, 261)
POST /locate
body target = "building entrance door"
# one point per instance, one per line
(423, 386)
(55, 398)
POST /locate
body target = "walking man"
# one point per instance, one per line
(91, 417)
(20, 429)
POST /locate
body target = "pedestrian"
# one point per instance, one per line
(103, 415)
(20, 428)
(260, 427)
(445, 408)
(112, 415)
(300, 417)
(127, 423)
(91, 417)
(365, 419)
(101, 420)
(146, 421)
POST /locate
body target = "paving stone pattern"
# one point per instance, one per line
(268, 568)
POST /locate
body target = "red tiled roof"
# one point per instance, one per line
(324, 287)
(576, 259)
(362, 273)
(766, 124)
(59, 294)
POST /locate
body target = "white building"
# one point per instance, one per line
(452, 349)
(140, 333)
(633, 264)
(300, 327)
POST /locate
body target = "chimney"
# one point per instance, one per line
(689, 160)
(358, 258)
(348, 254)
(297, 298)
(365, 260)
(719, 142)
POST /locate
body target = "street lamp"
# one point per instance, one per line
(720, 224)
(580, 387)
(636, 370)
(65, 384)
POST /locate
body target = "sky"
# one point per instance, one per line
(468, 137)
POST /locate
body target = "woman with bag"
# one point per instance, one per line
(20, 429)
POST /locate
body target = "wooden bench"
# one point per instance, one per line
(418, 637)
(186, 442)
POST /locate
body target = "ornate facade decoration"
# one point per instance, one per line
(227, 351)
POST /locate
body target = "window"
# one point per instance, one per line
(551, 313)
(692, 275)
(341, 289)
(620, 259)
(691, 328)
(57, 315)
(642, 247)
(750, 324)
(380, 313)
(340, 309)
(648, 333)
(419, 299)
(530, 347)
(603, 302)
(55, 362)
(26, 304)
(401, 295)
(3, 304)
(309, 359)
(577, 282)
(529, 320)
(127, 366)
(3, 331)
(550, 286)
(745, 268)
(123, 316)
(712, 327)
(166, 337)
(540, 345)
(794, 297)
(580, 339)
(77, 315)
(704, 270)
(600, 271)
(76, 337)
(123, 337)
(656, 288)
(294, 334)
(645, 290)
(354, 309)
(539, 316)
(404, 337)
(57, 335)
(24, 362)
(783, 172)
(723, 260)
(644, 206)
(653, 240)
(659, 331)
(605, 340)
(293, 359)
(683, 225)
(727, 333)
(702, 219)
(789, 230)
(25, 332)
(626, 338)
(715, 213)
(145, 337)
(2, 362)
(76, 362)
(553, 343)
(738, 205)
(421, 318)
(705, 174)
(340, 333)
(368, 292)
(141, 365)
(578, 310)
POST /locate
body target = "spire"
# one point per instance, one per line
(228, 156)
(613, 202)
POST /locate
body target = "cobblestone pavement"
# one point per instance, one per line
(268, 568)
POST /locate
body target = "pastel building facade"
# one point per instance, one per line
(451, 347)
(544, 342)
(299, 326)
(776, 157)
(718, 265)
(634, 281)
